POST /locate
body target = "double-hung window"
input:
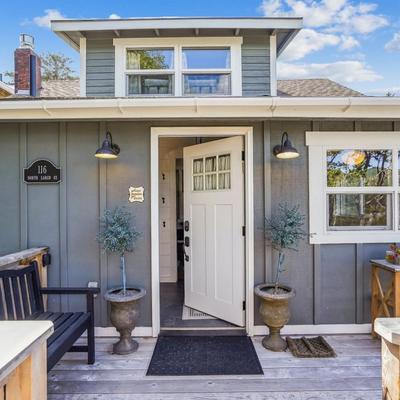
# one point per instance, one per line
(178, 67)
(354, 186)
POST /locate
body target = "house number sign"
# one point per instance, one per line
(42, 171)
(136, 194)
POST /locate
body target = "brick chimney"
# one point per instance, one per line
(28, 78)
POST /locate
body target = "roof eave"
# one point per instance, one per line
(202, 108)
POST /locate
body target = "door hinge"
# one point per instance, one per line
(243, 230)
(243, 155)
(244, 305)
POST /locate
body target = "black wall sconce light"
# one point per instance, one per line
(108, 149)
(285, 150)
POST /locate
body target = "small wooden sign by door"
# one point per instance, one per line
(136, 194)
(42, 171)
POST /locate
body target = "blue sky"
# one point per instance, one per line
(354, 42)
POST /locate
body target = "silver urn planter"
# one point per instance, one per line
(124, 316)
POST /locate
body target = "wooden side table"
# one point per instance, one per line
(23, 359)
(384, 303)
(389, 330)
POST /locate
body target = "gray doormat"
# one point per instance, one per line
(316, 347)
(204, 355)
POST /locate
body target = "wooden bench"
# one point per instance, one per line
(21, 298)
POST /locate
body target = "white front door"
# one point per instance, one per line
(213, 230)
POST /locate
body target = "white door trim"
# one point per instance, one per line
(201, 131)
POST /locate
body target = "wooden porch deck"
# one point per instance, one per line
(354, 375)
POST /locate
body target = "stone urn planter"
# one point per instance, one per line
(124, 316)
(275, 313)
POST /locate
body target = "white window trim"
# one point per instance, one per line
(318, 143)
(234, 43)
(82, 70)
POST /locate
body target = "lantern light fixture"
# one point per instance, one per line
(285, 150)
(108, 149)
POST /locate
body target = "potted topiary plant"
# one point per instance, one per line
(284, 231)
(118, 235)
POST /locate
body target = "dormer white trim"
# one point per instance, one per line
(177, 43)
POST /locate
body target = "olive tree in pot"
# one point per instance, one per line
(284, 231)
(118, 235)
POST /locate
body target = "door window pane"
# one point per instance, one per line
(198, 166)
(150, 59)
(211, 182)
(205, 84)
(358, 168)
(224, 181)
(359, 211)
(150, 84)
(224, 162)
(206, 58)
(211, 164)
(198, 183)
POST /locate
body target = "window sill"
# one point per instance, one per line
(355, 237)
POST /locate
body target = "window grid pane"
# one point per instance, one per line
(359, 211)
(148, 59)
(212, 173)
(150, 84)
(206, 84)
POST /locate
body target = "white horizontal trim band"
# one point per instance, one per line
(202, 107)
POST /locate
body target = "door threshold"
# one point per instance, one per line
(203, 332)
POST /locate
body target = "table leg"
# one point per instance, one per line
(396, 294)
(374, 297)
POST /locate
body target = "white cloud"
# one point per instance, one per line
(114, 16)
(332, 15)
(49, 14)
(270, 7)
(348, 42)
(306, 42)
(394, 44)
(340, 71)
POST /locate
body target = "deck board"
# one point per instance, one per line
(354, 375)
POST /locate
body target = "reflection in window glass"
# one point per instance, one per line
(150, 84)
(206, 58)
(359, 211)
(359, 168)
(205, 84)
(150, 59)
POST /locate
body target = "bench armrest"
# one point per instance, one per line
(89, 292)
(72, 290)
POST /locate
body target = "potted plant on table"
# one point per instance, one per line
(118, 235)
(284, 232)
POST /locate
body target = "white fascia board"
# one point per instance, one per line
(201, 108)
(176, 23)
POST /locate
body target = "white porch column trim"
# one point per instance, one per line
(273, 57)
(82, 69)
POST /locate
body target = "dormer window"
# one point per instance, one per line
(178, 66)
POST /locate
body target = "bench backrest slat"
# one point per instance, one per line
(20, 293)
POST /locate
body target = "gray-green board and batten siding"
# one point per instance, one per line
(332, 281)
(100, 67)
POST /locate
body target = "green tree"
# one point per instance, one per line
(284, 231)
(56, 66)
(118, 235)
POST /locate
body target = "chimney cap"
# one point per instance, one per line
(26, 41)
